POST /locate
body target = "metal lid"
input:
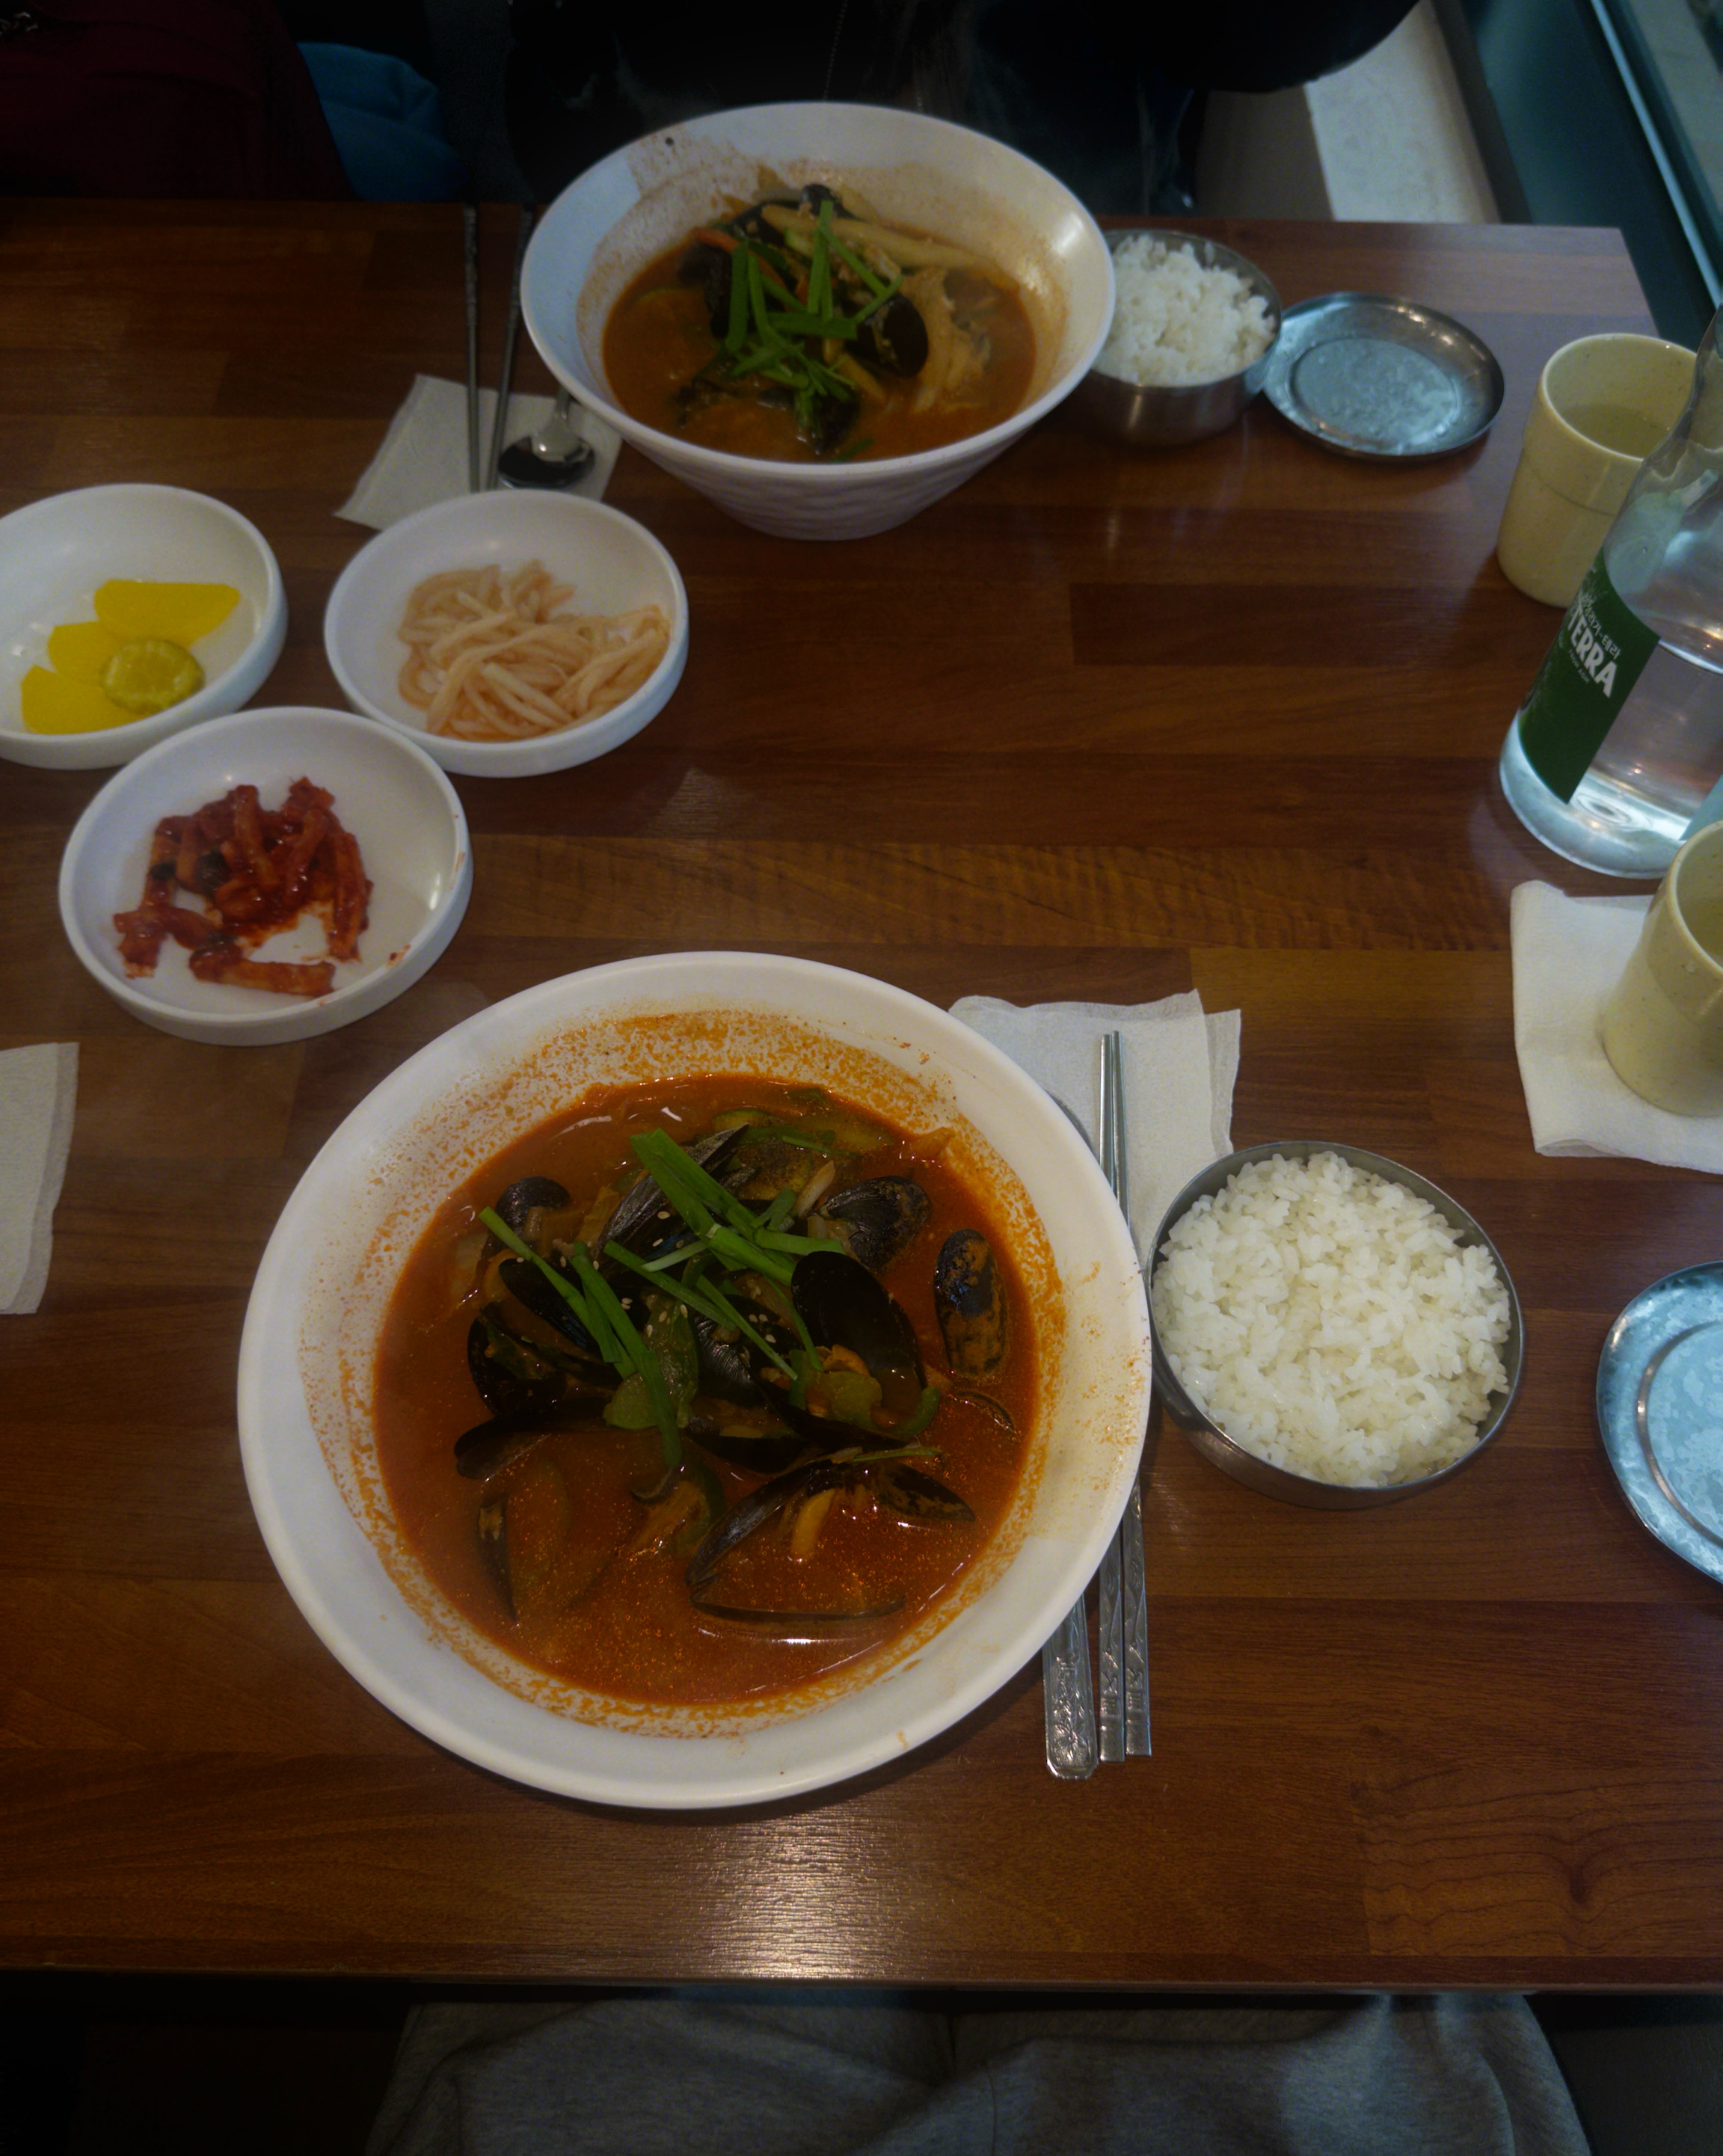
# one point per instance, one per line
(1660, 1411)
(1372, 377)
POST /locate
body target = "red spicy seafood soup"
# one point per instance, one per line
(705, 1389)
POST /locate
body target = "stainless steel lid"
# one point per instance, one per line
(1660, 1411)
(1372, 377)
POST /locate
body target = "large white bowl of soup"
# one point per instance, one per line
(967, 292)
(774, 1550)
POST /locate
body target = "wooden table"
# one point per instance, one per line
(1100, 724)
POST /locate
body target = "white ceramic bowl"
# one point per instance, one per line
(55, 553)
(944, 179)
(613, 563)
(324, 1286)
(412, 834)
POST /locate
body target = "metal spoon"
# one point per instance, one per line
(555, 454)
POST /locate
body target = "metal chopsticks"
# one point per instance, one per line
(469, 219)
(484, 478)
(1123, 1596)
(510, 331)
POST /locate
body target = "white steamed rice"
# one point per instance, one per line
(1329, 1321)
(1178, 321)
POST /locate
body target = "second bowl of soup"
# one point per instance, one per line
(823, 317)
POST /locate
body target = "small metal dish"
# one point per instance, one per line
(1660, 1411)
(1386, 379)
(1245, 1467)
(1159, 416)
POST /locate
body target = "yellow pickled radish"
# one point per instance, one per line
(150, 673)
(81, 648)
(180, 613)
(60, 703)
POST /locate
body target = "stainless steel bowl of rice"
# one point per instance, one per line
(1329, 1328)
(1193, 326)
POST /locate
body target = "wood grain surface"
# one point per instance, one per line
(1102, 724)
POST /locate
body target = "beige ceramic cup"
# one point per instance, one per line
(1662, 1025)
(1603, 403)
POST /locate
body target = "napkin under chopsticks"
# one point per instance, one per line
(423, 457)
(1568, 954)
(39, 1092)
(1181, 1065)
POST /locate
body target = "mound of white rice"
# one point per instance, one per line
(1329, 1320)
(1179, 322)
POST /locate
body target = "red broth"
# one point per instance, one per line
(623, 1624)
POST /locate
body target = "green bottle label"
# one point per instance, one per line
(1599, 652)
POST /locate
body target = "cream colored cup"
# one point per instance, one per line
(1603, 403)
(1663, 1024)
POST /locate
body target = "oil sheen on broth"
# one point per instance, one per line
(803, 327)
(794, 1540)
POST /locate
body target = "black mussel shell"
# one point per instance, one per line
(829, 419)
(644, 1220)
(730, 1366)
(512, 1376)
(749, 1514)
(971, 1307)
(879, 1219)
(903, 1489)
(489, 1447)
(816, 193)
(528, 1286)
(526, 1196)
(769, 1454)
(895, 340)
(709, 267)
(843, 1306)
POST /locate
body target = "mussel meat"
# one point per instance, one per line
(843, 1306)
(972, 1309)
(877, 1219)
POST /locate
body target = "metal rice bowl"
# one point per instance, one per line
(1249, 1467)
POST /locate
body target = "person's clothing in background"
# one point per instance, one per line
(160, 98)
(733, 2074)
(1095, 92)
(388, 124)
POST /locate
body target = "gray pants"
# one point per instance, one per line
(716, 2074)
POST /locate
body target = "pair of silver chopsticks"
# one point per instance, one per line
(1123, 1614)
(476, 483)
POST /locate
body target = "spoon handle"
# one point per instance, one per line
(1067, 1698)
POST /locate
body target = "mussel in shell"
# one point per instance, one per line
(843, 1306)
(893, 339)
(731, 1366)
(915, 1496)
(483, 1451)
(531, 1194)
(644, 1222)
(877, 1219)
(971, 1307)
(528, 1286)
(512, 1376)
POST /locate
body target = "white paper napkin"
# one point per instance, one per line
(1180, 1067)
(423, 457)
(38, 1091)
(1568, 954)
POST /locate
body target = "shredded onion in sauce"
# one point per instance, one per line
(492, 659)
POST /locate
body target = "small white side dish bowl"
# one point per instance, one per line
(55, 553)
(613, 563)
(412, 838)
(309, 1355)
(913, 170)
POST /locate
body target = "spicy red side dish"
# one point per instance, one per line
(257, 870)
